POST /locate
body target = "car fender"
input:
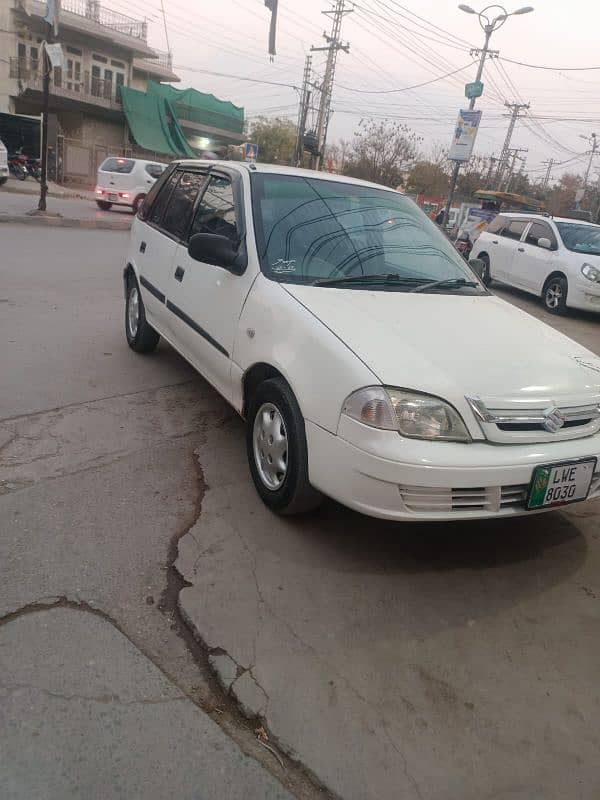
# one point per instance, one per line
(277, 330)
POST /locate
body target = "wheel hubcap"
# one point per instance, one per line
(270, 446)
(554, 295)
(133, 312)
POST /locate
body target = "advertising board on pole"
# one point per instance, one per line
(465, 134)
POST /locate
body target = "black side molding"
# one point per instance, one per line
(195, 327)
(152, 289)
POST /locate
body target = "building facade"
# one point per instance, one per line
(103, 51)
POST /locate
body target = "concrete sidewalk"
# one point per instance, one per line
(61, 212)
(31, 187)
(86, 715)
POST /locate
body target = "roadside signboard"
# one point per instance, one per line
(250, 152)
(474, 89)
(465, 134)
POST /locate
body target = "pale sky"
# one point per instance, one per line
(387, 51)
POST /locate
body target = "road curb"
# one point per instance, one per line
(56, 195)
(67, 222)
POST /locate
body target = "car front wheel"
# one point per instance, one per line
(277, 451)
(140, 336)
(555, 295)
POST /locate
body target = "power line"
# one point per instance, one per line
(552, 69)
(407, 88)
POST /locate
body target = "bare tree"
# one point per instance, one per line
(382, 151)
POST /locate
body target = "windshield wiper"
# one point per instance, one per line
(366, 280)
(448, 283)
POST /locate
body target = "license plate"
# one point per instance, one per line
(559, 484)
(113, 197)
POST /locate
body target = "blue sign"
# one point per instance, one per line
(250, 152)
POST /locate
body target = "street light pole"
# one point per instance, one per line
(488, 26)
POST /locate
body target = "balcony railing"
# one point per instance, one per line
(93, 10)
(85, 88)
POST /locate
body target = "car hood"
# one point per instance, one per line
(456, 345)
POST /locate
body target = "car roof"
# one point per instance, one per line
(282, 169)
(547, 217)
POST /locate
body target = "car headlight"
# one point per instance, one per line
(412, 414)
(591, 273)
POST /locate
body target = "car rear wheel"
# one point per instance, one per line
(141, 337)
(277, 451)
(103, 205)
(555, 295)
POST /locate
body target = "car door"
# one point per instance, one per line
(153, 250)
(532, 264)
(504, 254)
(206, 301)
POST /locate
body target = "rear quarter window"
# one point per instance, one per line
(155, 170)
(150, 199)
(121, 165)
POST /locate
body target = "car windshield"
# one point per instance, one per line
(313, 231)
(580, 238)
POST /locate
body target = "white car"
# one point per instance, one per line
(555, 258)
(3, 163)
(369, 361)
(125, 181)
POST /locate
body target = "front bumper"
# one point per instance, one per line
(584, 296)
(382, 475)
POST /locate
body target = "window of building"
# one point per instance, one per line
(179, 211)
(57, 77)
(101, 59)
(119, 64)
(96, 87)
(73, 75)
(74, 50)
(34, 56)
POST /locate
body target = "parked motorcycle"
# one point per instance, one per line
(34, 168)
(17, 166)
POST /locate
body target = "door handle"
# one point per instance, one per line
(179, 273)
(521, 249)
(142, 247)
(494, 241)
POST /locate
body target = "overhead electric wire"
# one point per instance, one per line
(551, 69)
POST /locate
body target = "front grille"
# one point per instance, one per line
(536, 426)
(421, 499)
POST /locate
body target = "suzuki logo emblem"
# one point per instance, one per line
(554, 420)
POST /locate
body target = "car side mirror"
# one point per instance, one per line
(544, 242)
(220, 251)
(478, 267)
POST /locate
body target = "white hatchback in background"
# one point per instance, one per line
(125, 181)
(3, 163)
(369, 362)
(555, 258)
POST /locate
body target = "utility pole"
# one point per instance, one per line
(488, 177)
(550, 162)
(515, 109)
(333, 46)
(47, 67)
(303, 111)
(489, 29)
(594, 140)
(513, 154)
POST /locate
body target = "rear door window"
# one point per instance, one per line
(516, 228)
(148, 203)
(497, 225)
(178, 213)
(155, 214)
(120, 165)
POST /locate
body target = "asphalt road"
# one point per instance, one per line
(454, 662)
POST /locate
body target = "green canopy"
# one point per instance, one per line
(153, 123)
(204, 109)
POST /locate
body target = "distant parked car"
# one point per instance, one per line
(556, 258)
(3, 163)
(125, 181)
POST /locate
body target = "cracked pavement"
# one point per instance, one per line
(439, 663)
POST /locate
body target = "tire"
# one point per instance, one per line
(487, 274)
(103, 205)
(141, 337)
(555, 295)
(137, 203)
(3, 181)
(274, 415)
